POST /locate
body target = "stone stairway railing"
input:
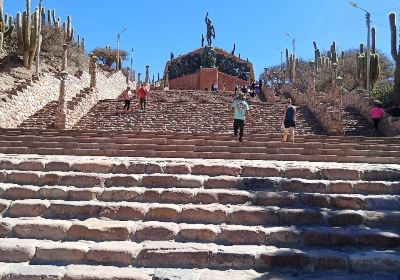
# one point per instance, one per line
(70, 112)
(319, 103)
(363, 104)
(18, 88)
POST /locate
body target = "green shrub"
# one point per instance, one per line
(383, 92)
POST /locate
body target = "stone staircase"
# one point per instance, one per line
(66, 217)
(42, 119)
(178, 112)
(191, 117)
(355, 124)
(199, 145)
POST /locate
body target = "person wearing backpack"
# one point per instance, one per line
(241, 109)
(289, 121)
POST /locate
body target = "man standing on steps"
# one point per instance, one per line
(289, 121)
(142, 96)
(241, 109)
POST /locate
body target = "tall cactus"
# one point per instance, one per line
(374, 69)
(396, 57)
(317, 57)
(361, 66)
(373, 40)
(334, 55)
(5, 29)
(69, 36)
(29, 30)
(53, 17)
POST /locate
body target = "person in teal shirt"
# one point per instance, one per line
(240, 107)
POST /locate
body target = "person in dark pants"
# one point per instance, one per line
(289, 121)
(142, 96)
(377, 114)
(127, 97)
(240, 107)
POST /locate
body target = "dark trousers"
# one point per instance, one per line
(376, 124)
(127, 105)
(142, 102)
(238, 125)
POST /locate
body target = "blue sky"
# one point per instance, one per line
(258, 27)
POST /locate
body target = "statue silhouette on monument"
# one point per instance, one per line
(210, 31)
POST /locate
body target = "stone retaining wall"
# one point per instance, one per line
(15, 110)
(363, 104)
(107, 88)
(321, 107)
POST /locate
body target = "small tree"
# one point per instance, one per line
(108, 56)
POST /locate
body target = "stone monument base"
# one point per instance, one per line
(204, 78)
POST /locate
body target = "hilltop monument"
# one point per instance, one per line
(199, 69)
(210, 31)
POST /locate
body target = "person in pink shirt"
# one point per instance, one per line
(377, 113)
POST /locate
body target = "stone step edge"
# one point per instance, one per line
(192, 213)
(9, 271)
(246, 147)
(159, 180)
(188, 136)
(205, 155)
(101, 231)
(189, 167)
(338, 201)
(193, 255)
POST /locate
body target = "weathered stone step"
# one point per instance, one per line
(269, 184)
(204, 155)
(18, 133)
(104, 230)
(199, 140)
(227, 145)
(194, 255)
(202, 196)
(12, 271)
(305, 170)
(192, 213)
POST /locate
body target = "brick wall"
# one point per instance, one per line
(204, 78)
(191, 81)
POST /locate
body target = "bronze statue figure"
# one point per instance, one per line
(210, 31)
(202, 40)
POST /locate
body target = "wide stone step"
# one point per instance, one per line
(12, 271)
(202, 196)
(268, 184)
(305, 170)
(342, 154)
(193, 255)
(192, 213)
(104, 230)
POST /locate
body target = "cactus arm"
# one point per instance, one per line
(373, 34)
(53, 15)
(393, 33)
(27, 24)
(11, 27)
